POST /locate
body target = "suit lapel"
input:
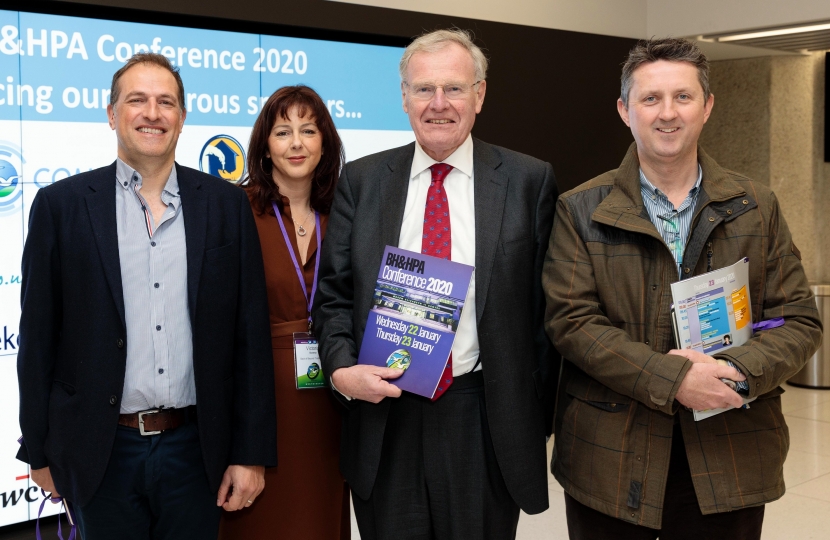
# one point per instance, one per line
(194, 203)
(490, 192)
(100, 204)
(394, 186)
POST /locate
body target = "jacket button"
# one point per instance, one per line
(745, 201)
(686, 270)
(113, 400)
(711, 219)
(729, 212)
(120, 343)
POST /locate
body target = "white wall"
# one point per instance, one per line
(623, 18)
(690, 18)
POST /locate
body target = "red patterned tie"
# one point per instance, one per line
(437, 241)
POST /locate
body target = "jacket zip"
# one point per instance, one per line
(709, 255)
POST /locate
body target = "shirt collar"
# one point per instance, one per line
(461, 159)
(649, 187)
(126, 175)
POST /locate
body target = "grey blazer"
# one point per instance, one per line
(514, 205)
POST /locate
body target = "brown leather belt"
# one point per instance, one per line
(155, 421)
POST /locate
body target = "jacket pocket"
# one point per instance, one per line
(597, 395)
(517, 246)
(222, 252)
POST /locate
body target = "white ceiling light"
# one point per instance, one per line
(775, 32)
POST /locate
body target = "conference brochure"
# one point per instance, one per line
(415, 312)
(712, 312)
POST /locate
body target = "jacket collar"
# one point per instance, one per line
(626, 201)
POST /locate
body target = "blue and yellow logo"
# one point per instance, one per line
(223, 157)
(400, 359)
(11, 179)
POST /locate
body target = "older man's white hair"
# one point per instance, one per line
(437, 40)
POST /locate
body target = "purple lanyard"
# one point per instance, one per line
(297, 264)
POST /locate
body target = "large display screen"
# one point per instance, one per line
(55, 75)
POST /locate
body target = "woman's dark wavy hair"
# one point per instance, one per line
(259, 184)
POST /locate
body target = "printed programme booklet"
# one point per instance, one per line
(712, 312)
(416, 310)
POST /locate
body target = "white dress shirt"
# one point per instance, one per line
(460, 195)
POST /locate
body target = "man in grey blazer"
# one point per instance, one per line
(461, 465)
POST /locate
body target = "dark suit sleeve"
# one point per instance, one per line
(333, 306)
(40, 324)
(549, 358)
(254, 408)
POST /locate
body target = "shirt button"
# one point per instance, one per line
(156, 285)
(120, 343)
(161, 370)
(711, 219)
(153, 244)
(654, 287)
(729, 212)
(686, 270)
(158, 327)
(113, 400)
(647, 342)
(745, 201)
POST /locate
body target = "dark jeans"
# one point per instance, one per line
(154, 487)
(682, 519)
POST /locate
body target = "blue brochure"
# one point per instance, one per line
(415, 313)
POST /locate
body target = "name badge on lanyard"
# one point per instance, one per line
(308, 370)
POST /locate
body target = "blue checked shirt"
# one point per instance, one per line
(674, 225)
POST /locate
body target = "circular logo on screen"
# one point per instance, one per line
(223, 157)
(400, 359)
(11, 181)
(313, 370)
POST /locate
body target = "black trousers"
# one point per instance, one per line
(682, 519)
(154, 488)
(438, 476)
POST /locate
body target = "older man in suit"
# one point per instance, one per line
(463, 464)
(144, 302)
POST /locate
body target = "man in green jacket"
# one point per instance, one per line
(632, 460)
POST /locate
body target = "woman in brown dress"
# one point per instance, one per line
(294, 159)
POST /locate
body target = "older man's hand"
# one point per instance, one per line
(703, 389)
(366, 382)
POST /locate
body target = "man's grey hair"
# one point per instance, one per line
(437, 40)
(670, 49)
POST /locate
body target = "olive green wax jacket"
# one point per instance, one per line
(607, 277)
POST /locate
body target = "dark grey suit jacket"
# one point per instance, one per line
(514, 204)
(73, 352)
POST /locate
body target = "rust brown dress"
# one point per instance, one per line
(305, 496)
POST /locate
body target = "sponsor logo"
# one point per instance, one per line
(13, 497)
(223, 157)
(313, 370)
(9, 341)
(400, 359)
(11, 179)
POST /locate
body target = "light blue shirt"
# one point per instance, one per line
(672, 223)
(154, 280)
